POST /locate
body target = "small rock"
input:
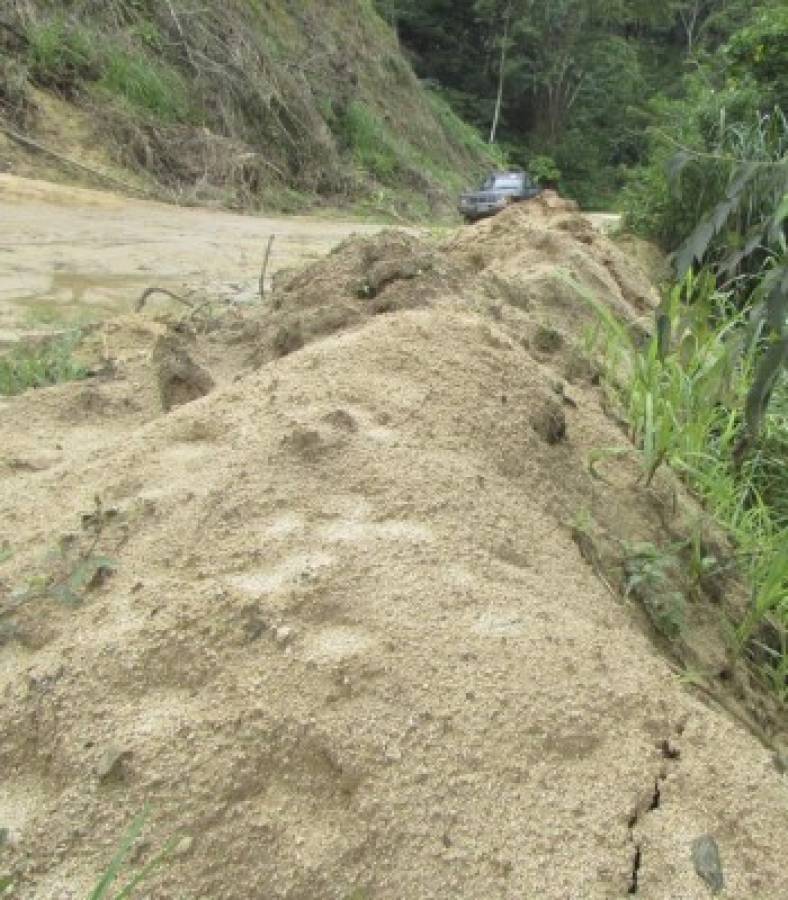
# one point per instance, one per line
(708, 865)
(5, 836)
(781, 761)
(393, 755)
(284, 635)
(183, 846)
(111, 763)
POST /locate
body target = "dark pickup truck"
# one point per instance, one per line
(499, 190)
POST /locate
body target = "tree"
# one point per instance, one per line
(500, 16)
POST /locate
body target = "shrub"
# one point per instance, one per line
(14, 100)
(544, 170)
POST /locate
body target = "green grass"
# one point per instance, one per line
(110, 876)
(390, 158)
(36, 367)
(463, 134)
(68, 58)
(682, 395)
(371, 143)
(145, 85)
(60, 55)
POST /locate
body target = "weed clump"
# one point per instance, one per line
(681, 394)
(61, 55)
(40, 366)
(15, 104)
(146, 86)
(649, 575)
(370, 142)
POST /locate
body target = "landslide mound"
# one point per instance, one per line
(336, 621)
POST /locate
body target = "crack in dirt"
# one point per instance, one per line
(633, 885)
(647, 804)
(655, 800)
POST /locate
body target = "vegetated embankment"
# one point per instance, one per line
(332, 587)
(242, 103)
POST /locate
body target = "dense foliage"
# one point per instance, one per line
(586, 81)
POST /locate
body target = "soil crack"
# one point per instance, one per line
(647, 802)
(636, 862)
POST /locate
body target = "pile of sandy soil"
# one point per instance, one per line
(335, 619)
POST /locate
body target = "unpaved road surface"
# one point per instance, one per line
(70, 255)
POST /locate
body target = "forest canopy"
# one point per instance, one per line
(586, 83)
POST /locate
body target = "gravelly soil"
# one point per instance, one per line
(341, 633)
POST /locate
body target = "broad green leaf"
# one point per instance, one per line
(663, 336)
(755, 238)
(776, 224)
(678, 162)
(742, 177)
(695, 247)
(769, 368)
(775, 286)
(697, 244)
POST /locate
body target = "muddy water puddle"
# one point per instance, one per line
(69, 256)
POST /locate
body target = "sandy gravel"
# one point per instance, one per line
(344, 639)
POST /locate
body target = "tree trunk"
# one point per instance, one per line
(501, 73)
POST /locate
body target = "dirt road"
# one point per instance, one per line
(70, 255)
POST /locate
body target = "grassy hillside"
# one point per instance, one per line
(243, 103)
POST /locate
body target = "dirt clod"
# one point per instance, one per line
(547, 340)
(550, 423)
(111, 764)
(180, 379)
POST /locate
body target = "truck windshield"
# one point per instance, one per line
(503, 183)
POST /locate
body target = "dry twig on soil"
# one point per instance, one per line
(159, 290)
(265, 266)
